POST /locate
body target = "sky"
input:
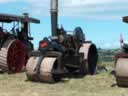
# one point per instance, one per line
(101, 20)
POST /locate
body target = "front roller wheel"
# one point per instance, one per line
(89, 62)
(42, 69)
(31, 68)
(122, 72)
(48, 70)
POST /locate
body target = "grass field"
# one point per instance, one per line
(102, 84)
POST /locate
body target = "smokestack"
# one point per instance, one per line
(54, 17)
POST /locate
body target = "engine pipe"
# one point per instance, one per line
(54, 17)
(25, 24)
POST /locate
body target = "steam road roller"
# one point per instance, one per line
(121, 66)
(15, 41)
(61, 53)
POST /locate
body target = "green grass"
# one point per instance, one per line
(102, 84)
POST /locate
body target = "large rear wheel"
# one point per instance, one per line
(89, 62)
(12, 56)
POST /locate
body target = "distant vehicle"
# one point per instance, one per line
(121, 66)
(15, 43)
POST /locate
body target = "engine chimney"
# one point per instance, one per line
(54, 17)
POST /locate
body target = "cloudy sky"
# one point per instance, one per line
(101, 20)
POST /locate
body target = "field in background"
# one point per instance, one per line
(102, 84)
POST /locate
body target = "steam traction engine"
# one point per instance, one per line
(15, 43)
(121, 66)
(61, 53)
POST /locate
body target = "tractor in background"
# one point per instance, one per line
(121, 62)
(61, 53)
(15, 42)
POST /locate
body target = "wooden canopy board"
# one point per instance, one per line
(9, 18)
(125, 19)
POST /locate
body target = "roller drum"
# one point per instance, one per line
(31, 68)
(42, 71)
(122, 72)
(47, 69)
